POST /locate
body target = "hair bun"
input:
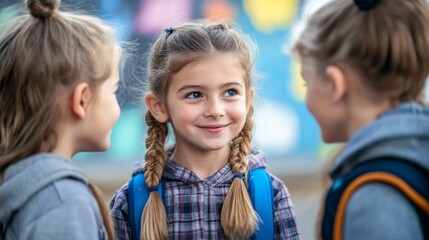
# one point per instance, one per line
(366, 5)
(42, 8)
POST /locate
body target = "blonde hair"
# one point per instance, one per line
(173, 50)
(388, 44)
(41, 53)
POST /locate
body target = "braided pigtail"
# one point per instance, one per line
(154, 218)
(107, 219)
(238, 218)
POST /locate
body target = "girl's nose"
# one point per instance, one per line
(214, 108)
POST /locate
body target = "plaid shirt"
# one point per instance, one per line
(193, 205)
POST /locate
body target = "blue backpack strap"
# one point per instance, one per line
(260, 189)
(138, 195)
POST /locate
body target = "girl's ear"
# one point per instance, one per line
(80, 100)
(339, 82)
(156, 107)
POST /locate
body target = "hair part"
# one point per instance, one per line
(173, 50)
(387, 45)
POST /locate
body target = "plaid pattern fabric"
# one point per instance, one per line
(193, 205)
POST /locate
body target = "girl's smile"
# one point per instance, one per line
(213, 128)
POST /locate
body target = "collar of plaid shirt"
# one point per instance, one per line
(176, 172)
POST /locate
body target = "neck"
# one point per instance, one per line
(203, 163)
(365, 113)
(64, 146)
(62, 151)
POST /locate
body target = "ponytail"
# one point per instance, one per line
(154, 217)
(107, 219)
(238, 218)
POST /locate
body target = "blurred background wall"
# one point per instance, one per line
(284, 129)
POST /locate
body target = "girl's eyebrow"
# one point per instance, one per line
(232, 84)
(185, 87)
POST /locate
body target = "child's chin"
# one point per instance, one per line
(103, 147)
(329, 139)
(332, 139)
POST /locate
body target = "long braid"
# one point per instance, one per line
(154, 218)
(241, 146)
(238, 218)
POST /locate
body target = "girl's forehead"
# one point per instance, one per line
(211, 70)
(229, 57)
(223, 61)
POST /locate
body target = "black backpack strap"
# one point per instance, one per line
(370, 177)
(410, 179)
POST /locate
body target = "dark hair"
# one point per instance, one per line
(388, 44)
(172, 51)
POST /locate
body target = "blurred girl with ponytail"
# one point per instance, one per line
(365, 64)
(58, 77)
(200, 82)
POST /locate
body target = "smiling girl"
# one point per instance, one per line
(200, 81)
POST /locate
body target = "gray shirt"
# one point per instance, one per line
(377, 210)
(46, 196)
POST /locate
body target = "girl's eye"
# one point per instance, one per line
(193, 95)
(230, 92)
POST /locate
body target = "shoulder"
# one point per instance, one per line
(282, 198)
(119, 201)
(120, 214)
(65, 207)
(138, 167)
(285, 223)
(68, 194)
(376, 210)
(71, 188)
(279, 186)
(73, 220)
(62, 192)
(257, 159)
